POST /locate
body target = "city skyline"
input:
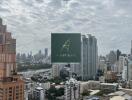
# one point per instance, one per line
(32, 22)
(65, 49)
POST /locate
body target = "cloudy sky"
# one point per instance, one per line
(32, 21)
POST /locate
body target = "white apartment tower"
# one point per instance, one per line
(89, 57)
(72, 89)
(39, 93)
(129, 70)
(55, 70)
(123, 67)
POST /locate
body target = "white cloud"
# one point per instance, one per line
(32, 21)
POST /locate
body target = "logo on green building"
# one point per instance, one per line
(65, 47)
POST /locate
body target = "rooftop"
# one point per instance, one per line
(117, 98)
(39, 88)
(109, 84)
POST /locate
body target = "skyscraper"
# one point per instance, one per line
(118, 53)
(11, 85)
(89, 57)
(46, 52)
(112, 57)
(129, 70)
(125, 67)
(131, 47)
(122, 64)
(55, 70)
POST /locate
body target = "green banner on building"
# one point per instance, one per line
(65, 47)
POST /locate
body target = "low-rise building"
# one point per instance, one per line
(117, 98)
(110, 76)
(109, 86)
(91, 98)
(102, 79)
(46, 85)
(89, 85)
(120, 95)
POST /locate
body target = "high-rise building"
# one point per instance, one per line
(122, 64)
(89, 57)
(131, 47)
(102, 64)
(38, 93)
(11, 85)
(125, 70)
(46, 52)
(129, 69)
(55, 70)
(112, 57)
(72, 89)
(118, 53)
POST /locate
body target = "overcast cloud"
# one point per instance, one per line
(32, 21)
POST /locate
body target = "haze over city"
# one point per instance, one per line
(32, 21)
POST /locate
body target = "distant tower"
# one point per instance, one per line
(131, 47)
(129, 70)
(55, 70)
(118, 53)
(112, 57)
(0, 21)
(46, 52)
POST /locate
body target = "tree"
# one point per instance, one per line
(86, 92)
(52, 93)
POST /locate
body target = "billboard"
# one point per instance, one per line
(65, 47)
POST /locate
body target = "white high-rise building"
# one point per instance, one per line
(131, 47)
(89, 57)
(25, 95)
(125, 73)
(72, 89)
(121, 64)
(39, 93)
(102, 64)
(112, 57)
(129, 70)
(55, 70)
(123, 67)
(114, 67)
